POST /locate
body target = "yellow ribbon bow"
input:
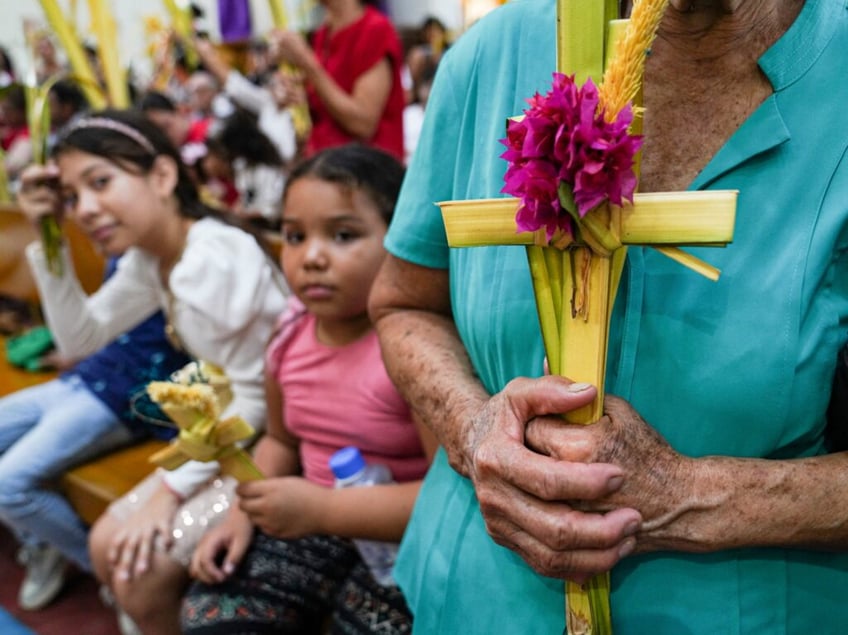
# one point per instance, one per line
(194, 401)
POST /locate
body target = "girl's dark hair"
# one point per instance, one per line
(156, 100)
(239, 137)
(68, 92)
(132, 142)
(356, 166)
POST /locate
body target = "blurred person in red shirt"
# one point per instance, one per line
(351, 67)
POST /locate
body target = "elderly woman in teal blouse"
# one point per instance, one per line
(706, 487)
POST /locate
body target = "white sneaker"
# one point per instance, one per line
(45, 576)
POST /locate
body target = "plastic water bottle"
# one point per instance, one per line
(351, 470)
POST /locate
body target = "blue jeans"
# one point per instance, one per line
(44, 430)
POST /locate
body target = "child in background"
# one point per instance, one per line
(186, 133)
(282, 561)
(124, 184)
(240, 155)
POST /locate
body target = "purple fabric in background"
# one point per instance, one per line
(381, 5)
(234, 20)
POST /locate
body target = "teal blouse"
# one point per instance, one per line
(738, 367)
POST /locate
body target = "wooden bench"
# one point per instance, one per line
(92, 486)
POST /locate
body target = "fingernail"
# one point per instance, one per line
(627, 547)
(123, 575)
(614, 483)
(631, 528)
(228, 568)
(579, 386)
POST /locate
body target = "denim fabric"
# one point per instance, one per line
(44, 430)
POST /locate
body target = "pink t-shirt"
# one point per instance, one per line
(339, 396)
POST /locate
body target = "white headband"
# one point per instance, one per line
(117, 126)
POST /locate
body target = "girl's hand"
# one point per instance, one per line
(225, 544)
(285, 507)
(131, 551)
(38, 195)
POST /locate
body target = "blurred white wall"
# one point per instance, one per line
(411, 13)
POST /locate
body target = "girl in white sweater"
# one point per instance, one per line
(122, 181)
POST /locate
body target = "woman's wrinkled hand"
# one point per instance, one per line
(524, 494)
(655, 477)
(131, 552)
(38, 194)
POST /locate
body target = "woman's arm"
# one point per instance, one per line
(410, 307)
(212, 60)
(710, 503)
(522, 493)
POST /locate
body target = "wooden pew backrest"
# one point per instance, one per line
(16, 233)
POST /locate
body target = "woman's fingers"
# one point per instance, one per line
(583, 545)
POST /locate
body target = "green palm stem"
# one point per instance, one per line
(545, 307)
(5, 195)
(38, 121)
(582, 49)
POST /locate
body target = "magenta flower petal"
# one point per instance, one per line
(565, 137)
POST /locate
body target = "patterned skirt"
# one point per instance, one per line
(311, 585)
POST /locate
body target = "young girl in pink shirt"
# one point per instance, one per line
(283, 561)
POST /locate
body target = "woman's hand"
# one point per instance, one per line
(286, 89)
(38, 194)
(131, 551)
(523, 493)
(291, 47)
(284, 507)
(657, 479)
(225, 544)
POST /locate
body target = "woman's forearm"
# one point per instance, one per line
(358, 112)
(425, 358)
(739, 502)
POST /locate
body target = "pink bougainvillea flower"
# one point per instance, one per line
(564, 136)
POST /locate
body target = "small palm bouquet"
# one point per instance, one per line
(194, 400)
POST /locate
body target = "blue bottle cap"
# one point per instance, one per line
(347, 462)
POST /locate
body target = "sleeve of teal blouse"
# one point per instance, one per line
(416, 233)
